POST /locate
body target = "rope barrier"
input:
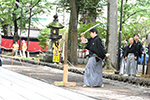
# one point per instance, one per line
(13, 58)
(40, 54)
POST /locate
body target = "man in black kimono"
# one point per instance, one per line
(131, 54)
(139, 49)
(93, 70)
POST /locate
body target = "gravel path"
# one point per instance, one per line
(113, 90)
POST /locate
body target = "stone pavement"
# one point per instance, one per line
(14, 86)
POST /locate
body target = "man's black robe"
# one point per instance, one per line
(95, 46)
(133, 49)
(139, 48)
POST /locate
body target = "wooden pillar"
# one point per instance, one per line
(39, 57)
(148, 71)
(12, 58)
(65, 74)
(143, 70)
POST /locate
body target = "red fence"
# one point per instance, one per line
(7, 43)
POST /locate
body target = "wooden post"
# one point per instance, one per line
(12, 57)
(20, 53)
(65, 74)
(148, 71)
(39, 57)
(143, 71)
(60, 62)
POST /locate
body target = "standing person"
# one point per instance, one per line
(123, 61)
(24, 48)
(139, 49)
(131, 55)
(56, 53)
(93, 70)
(15, 48)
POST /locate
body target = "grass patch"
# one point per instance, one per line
(31, 58)
(9, 54)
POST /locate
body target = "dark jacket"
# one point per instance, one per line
(124, 48)
(132, 49)
(139, 48)
(95, 46)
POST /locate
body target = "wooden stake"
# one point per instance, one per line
(143, 70)
(60, 62)
(20, 52)
(12, 58)
(39, 57)
(66, 48)
(67, 84)
(148, 67)
(65, 74)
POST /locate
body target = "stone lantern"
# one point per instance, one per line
(54, 36)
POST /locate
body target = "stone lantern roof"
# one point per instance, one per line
(55, 23)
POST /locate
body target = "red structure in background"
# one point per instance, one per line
(7, 43)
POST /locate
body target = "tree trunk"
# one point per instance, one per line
(69, 38)
(9, 30)
(112, 33)
(15, 31)
(74, 33)
(15, 25)
(91, 17)
(5, 29)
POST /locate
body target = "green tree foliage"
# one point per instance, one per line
(10, 12)
(43, 38)
(6, 6)
(83, 27)
(92, 8)
(136, 16)
(142, 28)
(133, 9)
(101, 29)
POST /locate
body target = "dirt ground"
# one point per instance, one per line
(113, 90)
